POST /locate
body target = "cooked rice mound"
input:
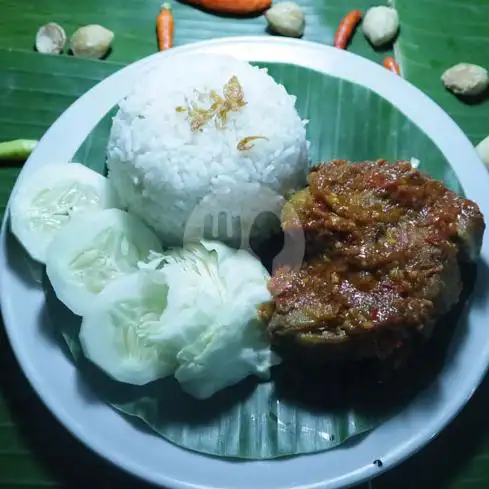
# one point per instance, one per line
(205, 134)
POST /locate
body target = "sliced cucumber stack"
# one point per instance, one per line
(46, 201)
(94, 249)
(115, 334)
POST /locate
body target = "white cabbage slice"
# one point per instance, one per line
(94, 249)
(214, 296)
(46, 201)
(232, 348)
(115, 333)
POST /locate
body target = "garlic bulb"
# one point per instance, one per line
(466, 79)
(286, 18)
(380, 25)
(91, 41)
(50, 39)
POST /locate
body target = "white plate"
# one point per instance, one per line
(150, 457)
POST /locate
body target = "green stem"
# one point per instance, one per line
(18, 149)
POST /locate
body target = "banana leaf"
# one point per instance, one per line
(133, 22)
(436, 34)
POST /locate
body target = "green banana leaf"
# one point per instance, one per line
(436, 34)
(269, 420)
(133, 22)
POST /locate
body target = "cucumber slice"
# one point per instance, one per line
(50, 197)
(94, 249)
(115, 333)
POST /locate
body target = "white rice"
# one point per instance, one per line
(172, 177)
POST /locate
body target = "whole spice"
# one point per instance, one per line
(483, 151)
(286, 18)
(164, 27)
(91, 41)
(346, 28)
(236, 7)
(466, 79)
(50, 39)
(18, 149)
(391, 64)
(380, 25)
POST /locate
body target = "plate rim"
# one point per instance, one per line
(428, 116)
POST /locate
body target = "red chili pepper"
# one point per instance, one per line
(392, 65)
(236, 7)
(346, 28)
(165, 27)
